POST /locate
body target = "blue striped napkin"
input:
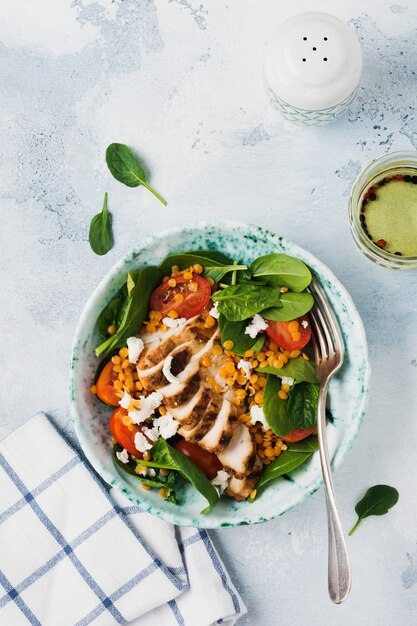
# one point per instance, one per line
(73, 552)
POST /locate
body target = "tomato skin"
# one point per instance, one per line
(194, 302)
(104, 386)
(206, 461)
(299, 433)
(278, 332)
(124, 435)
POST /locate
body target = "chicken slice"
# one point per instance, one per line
(240, 455)
(220, 434)
(207, 420)
(240, 488)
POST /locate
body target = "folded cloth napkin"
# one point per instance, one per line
(73, 552)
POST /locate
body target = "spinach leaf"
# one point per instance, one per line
(298, 368)
(139, 289)
(126, 168)
(238, 302)
(293, 305)
(108, 316)
(295, 455)
(302, 405)
(376, 501)
(159, 482)
(213, 268)
(100, 235)
(218, 273)
(235, 331)
(165, 456)
(282, 270)
(275, 409)
(214, 255)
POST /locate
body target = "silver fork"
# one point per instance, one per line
(328, 348)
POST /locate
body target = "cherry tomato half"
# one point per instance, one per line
(206, 461)
(284, 336)
(163, 298)
(299, 433)
(124, 435)
(104, 386)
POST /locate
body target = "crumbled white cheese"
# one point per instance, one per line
(257, 415)
(166, 370)
(151, 433)
(246, 366)
(287, 381)
(304, 324)
(147, 472)
(123, 456)
(221, 480)
(171, 323)
(135, 346)
(126, 401)
(167, 426)
(147, 407)
(256, 326)
(214, 312)
(141, 443)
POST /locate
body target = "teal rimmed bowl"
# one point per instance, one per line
(348, 390)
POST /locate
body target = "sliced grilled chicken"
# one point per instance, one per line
(219, 436)
(240, 488)
(206, 417)
(240, 455)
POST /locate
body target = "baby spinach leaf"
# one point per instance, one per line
(275, 409)
(126, 168)
(139, 288)
(282, 270)
(213, 268)
(165, 456)
(293, 305)
(238, 302)
(298, 368)
(302, 405)
(158, 482)
(108, 315)
(235, 331)
(218, 273)
(214, 255)
(295, 455)
(186, 259)
(100, 235)
(376, 501)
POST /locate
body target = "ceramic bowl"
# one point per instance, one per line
(348, 390)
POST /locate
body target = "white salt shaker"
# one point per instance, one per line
(312, 68)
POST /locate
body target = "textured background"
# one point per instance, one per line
(180, 81)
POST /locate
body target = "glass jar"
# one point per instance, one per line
(385, 167)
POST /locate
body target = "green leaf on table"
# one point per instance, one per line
(298, 368)
(282, 270)
(295, 455)
(126, 168)
(100, 235)
(294, 305)
(376, 501)
(134, 310)
(165, 456)
(302, 405)
(239, 302)
(235, 331)
(275, 409)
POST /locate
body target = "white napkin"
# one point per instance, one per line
(73, 553)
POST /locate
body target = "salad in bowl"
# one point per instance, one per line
(209, 368)
(193, 382)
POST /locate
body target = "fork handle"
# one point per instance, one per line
(339, 574)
